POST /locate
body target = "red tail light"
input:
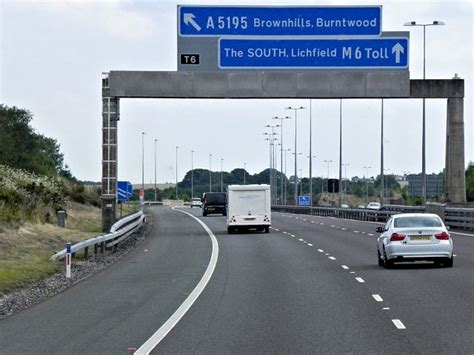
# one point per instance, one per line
(397, 237)
(442, 236)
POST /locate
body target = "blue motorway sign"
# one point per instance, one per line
(367, 53)
(279, 21)
(124, 191)
(304, 200)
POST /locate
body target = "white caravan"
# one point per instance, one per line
(248, 207)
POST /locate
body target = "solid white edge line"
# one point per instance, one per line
(377, 298)
(158, 336)
(398, 323)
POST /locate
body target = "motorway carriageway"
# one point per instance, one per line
(312, 285)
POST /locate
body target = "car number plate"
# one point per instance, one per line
(210, 209)
(420, 237)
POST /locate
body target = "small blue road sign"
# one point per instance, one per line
(279, 21)
(304, 200)
(124, 191)
(367, 53)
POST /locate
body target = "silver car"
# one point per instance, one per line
(414, 236)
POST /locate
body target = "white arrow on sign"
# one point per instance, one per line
(397, 49)
(189, 20)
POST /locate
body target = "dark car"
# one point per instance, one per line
(214, 202)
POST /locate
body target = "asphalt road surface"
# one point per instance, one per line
(312, 285)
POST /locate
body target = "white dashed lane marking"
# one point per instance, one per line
(370, 234)
(356, 232)
(360, 279)
(301, 240)
(398, 323)
(386, 308)
(377, 298)
(321, 250)
(345, 267)
(343, 228)
(310, 245)
(332, 257)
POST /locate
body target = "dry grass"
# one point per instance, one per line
(25, 251)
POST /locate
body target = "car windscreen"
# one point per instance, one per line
(217, 198)
(417, 222)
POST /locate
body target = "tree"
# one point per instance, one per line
(23, 148)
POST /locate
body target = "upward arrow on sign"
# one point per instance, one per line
(189, 20)
(397, 49)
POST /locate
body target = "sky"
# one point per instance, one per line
(53, 54)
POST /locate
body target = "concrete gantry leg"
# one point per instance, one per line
(455, 165)
(110, 117)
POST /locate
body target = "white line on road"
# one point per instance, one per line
(310, 245)
(343, 228)
(333, 226)
(398, 323)
(326, 254)
(293, 236)
(321, 223)
(360, 279)
(158, 336)
(386, 308)
(304, 220)
(377, 298)
(352, 272)
(321, 250)
(345, 267)
(312, 221)
(356, 231)
(332, 257)
(301, 240)
(370, 234)
(276, 229)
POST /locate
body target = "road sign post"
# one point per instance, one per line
(68, 260)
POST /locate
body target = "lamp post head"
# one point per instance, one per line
(411, 23)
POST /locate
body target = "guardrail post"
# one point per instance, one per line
(102, 247)
(86, 252)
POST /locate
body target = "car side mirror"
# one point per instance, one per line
(379, 229)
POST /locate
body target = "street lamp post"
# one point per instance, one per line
(177, 172)
(142, 193)
(210, 174)
(310, 157)
(281, 151)
(192, 174)
(222, 181)
(345, 182)
(244, 173)
(367, 181)
(385, 186)
(272, 160)
(423, 139)
(329, 162)
(155, 167)
(382, 177)
(296, 177)
(285, 189)
(340, 151)
(296, 146)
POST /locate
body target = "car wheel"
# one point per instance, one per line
(380, 260)
(388, 264)
(267, 229)
(230, 230)
(449, 262)
(204, 214)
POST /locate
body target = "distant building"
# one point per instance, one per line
(434, 184)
